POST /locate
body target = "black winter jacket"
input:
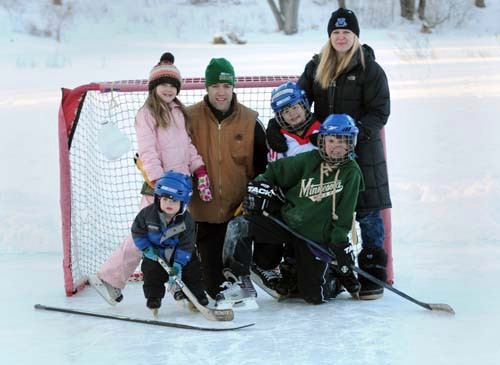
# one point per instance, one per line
(174, 241)
(364, 95)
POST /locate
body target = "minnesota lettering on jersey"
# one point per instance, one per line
(315, 192)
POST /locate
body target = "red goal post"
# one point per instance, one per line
(100, 197)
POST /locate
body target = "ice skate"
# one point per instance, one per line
(109, 293)
(238, 294)
(154, 304)
(267, 280)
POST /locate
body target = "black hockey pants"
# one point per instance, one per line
(270, 242)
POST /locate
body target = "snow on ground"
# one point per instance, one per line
(445, 184)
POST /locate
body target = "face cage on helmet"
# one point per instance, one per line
(351, 144)
(299, 126)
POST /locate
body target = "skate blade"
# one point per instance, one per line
(248, 304)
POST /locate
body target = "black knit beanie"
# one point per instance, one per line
(343, 19)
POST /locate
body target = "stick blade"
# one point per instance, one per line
(441, 307)
(220, 314)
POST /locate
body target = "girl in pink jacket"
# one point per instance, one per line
(164, 145)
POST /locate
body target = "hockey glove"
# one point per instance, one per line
(150, 253)
(345, 257)
(274, 137)
(175, 271)
(262, 196)
(203, 184)
(345, 260)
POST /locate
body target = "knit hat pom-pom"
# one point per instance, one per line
(167, 57)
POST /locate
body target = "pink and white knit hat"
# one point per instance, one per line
(165, 72)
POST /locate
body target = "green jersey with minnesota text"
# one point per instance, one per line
(310, 201)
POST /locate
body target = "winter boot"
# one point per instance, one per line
(238, 292)
(373, 260)
(267, 280)
(110, 294)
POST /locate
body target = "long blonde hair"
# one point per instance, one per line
(330, 66)
(161, 111)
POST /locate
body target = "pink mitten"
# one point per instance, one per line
(203, 184)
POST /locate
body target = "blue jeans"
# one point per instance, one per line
(372, 228)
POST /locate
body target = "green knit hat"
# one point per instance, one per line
(219, 71)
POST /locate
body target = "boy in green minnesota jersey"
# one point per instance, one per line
(321, 188)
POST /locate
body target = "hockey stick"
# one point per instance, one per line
(429, 306)
(137, 320)
(208, 313)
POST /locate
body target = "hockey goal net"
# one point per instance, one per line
(100, 194)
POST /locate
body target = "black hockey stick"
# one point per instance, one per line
(208, 313)
(316, 246)
(138, 320)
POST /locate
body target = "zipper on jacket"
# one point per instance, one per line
(331, 96)
(219, 149)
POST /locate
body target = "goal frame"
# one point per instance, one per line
(71, 105)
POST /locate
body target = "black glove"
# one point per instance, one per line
(345, 257)
(262, 196)
(345, 260)
(275, 139)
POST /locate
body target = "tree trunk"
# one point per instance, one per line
(286, 15)
(407, 9)
(291, 17)
(479, 3)
(421, 9)
(56, 2)
(342, 4)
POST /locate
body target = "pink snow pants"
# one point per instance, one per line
(124, 260)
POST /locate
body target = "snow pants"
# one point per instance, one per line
(209, 242)
(155, 278)
(125, 259)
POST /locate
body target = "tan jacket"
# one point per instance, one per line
(227, 149)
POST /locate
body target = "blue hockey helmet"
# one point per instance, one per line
(344, 127)
(176, 186)
(286, 96)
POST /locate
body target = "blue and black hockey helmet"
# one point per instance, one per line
(286, 96)
(341, 125)
(176, 186)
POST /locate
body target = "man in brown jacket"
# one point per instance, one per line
(232, 142)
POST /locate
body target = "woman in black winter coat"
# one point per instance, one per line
(344, 78)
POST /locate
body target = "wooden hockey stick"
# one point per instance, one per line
(430, 306)
(208, 313)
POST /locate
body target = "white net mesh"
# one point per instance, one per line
(105, 194)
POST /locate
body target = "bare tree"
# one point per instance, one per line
(56, 2)
(479, 3)
(342, 4)
(407, 9)
(421, 9)
(286, 15)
